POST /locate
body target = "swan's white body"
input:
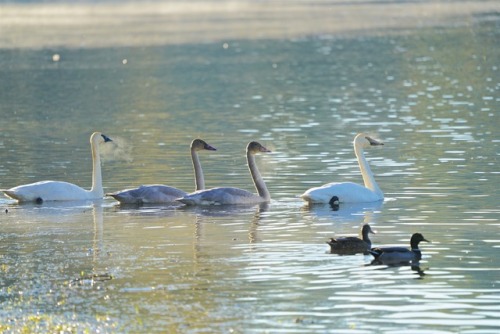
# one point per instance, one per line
(158, 193)
(230, 195)
(64, 191)
(349, 192)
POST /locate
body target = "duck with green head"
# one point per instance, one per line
(395, 255)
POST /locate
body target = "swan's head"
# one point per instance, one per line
(255, 147)
(199, 144)
(99, 137)
(363, 140)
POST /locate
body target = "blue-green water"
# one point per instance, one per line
(431, 95)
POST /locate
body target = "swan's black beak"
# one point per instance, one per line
(209, 147)
(106, 138)
(373, 142)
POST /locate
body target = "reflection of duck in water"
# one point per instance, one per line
(416, 268)
(396, 255)
(352, 245)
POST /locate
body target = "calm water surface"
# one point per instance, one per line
(432, 96)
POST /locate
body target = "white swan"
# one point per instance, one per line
(158, 193)
(64, 191)
(349, 192)
(229, 195)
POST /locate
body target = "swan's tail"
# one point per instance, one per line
(123, 198)
(307, 197)
(12, 194)
(114, 195)
(186, 200)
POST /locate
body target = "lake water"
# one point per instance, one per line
(430, 94)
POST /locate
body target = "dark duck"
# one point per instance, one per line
(395, 255)
(352, 245)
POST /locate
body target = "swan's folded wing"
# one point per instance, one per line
(220, 196)
(148, 194)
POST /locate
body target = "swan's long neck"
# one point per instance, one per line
(366, 172)
(258, 181)
(199, 179)
(96, 171)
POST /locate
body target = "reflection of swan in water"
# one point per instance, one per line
(357, 214)
(64, 191)
(346, 211)
(349, 192)
(225, 210)
(97, 245)
(50, 211)
(97, 250)
(229, 195)
(158, 193)
(203, 217)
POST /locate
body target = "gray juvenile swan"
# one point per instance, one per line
(158, 193)
(229, 195)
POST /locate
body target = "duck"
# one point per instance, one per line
(352, 245)
(46, 191)
(230, 195)
(158, 193)
(395, 255)
(350, 192)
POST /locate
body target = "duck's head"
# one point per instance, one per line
(363, 140)
(416, 238)
(366, 229)
(200, 144)
(255, 147)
